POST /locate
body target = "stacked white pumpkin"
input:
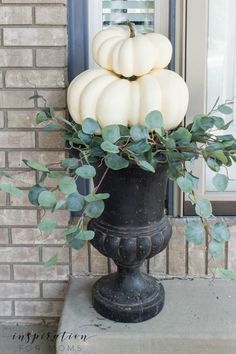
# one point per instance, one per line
(131, 81)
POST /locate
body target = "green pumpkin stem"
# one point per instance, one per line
(131, 26)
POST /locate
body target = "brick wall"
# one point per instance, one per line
(33, 40)
(33, 50)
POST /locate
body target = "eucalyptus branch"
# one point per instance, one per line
(146, 145)
(101, 180)
(214, 106)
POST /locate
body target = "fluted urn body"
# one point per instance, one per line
(131, 229)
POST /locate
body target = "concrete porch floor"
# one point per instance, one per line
(199, 317)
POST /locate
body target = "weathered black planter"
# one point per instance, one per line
(131, 229)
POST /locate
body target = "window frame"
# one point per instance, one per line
(195, 67)
(77, 56)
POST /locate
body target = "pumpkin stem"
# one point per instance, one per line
(131, 78)
(131, 26)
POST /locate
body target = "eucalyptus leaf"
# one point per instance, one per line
(192, 163)
(154, 120)
(109, 147)
(216, 249)
(174, 172)
(220, 182)
(51, 262)
(86, 235)
(212, 164)
(59, 205)
(124, 131)
(56, 174)
(170, 144)
(139, 147)
(225, 109)
(175, 155)
(189, 155)
(196, 126)
(219, 122)
(219, 155)
(75, 141)
(194, 232)
(97, 152)
(220, 232)
(182, 136)
(71, 163)
(94, 197)
(111, 133)
(75, 201)
(67, 185)
(203, 208)
(226, 137)
(229, 144)
(47, 225)
(90, 126)
(194, 180)
(35, 97)
(199, 138)
(33, 194)
(42, 179)
(86, 171)
(206, 123)
(36, 166)
(146, 166)
(47, 199)
(68, 136)
(116, 162)
(52, 128)
(139, 132)
(74, 242)
(185, 184)
(94, 209)
(214, 147)
(9, 188)
(41, 117)
(229, 161)
(71, 230)
(225, 274)
(85, 138)
(148, 156)
(226, 126)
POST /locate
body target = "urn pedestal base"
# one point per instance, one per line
(131, 229)
(129, 295)
(142, 300)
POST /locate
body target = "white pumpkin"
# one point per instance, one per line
(114, 50)
(109, 99)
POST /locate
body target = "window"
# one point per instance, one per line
(211, 72)
(148, 16)
(140, 12)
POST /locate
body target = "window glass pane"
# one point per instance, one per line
(141, 12)
(221, 67)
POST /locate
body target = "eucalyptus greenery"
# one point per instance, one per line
(147, 145)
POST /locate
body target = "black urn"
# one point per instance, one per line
(131, 229)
